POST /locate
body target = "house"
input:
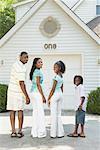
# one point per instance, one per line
(55, 30)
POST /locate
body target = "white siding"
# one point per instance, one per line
(70, 40)
(87, 10)
(21, 10)
(70, 3)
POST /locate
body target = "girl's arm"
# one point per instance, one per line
(62, 87)
(52, 90)
(40, 89)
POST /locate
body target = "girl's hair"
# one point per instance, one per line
(80, 77)
(62, 65)
(33, 67)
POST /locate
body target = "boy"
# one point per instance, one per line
(80, 106)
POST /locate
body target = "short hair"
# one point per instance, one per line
(80, 77)
(62, 65)
(23, 53)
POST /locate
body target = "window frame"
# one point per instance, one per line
(97, 4)
(42, 27)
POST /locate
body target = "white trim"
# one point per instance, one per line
(82, 56)
(23, 3)
(29, 1)
(96, 10)
(56, 53)
(35, 8)
(77, 5)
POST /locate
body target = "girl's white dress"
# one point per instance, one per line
(57, 129)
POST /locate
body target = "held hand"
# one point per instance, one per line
(27, 100)
(49, 103)
(44, 100)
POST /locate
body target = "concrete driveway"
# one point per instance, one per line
(91, 142)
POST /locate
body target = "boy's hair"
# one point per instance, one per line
(23, 53)
(80, 77)
(62, 65)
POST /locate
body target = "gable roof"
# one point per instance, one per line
(94, 22)
(34, 9)
(22, 3)
(73, 4)
(95, 25)
(77, 4)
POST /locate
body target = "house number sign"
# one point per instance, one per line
(50, 46)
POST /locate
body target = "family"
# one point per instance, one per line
(17, 95)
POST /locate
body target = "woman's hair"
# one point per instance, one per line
(80, 77)
(62, 65)
(33, 67)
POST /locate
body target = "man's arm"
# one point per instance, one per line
(23, 88)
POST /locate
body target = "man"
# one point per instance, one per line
(17, 93)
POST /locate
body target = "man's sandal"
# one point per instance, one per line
(20, 134)
(72, 135)
(13, 135)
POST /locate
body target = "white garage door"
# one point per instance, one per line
(73, 67)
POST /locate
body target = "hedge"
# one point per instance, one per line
(3, 97)
(93, 105)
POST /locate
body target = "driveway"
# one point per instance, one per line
(91, 142)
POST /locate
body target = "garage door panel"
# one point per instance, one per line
(68, 102)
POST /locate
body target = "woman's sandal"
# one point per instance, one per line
(20, 134)
(72, 135)
(13, 135)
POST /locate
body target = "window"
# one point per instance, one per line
(49, 27)
(98, 7)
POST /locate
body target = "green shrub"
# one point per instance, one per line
(3, 97)
(93, 105)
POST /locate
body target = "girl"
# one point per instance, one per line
(80, 106)
(55, 101)
(36, 76)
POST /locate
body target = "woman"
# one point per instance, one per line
(38, 98)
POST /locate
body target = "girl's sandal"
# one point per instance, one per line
(82, 135)
(72, 135)
(13, 135)
(53, 137)
(20, 134)
(60, 137)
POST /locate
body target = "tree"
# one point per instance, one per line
(7, 16)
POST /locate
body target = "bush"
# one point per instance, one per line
(7, 16)
(3, 97)
(93, 105)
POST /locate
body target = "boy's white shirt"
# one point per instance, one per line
(79, 92)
